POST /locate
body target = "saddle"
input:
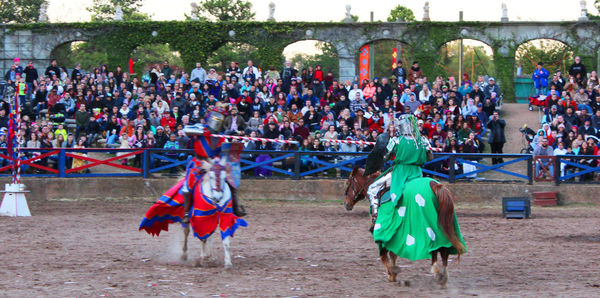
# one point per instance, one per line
(384, 195)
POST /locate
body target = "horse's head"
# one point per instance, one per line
(217, 176)
(355, 188)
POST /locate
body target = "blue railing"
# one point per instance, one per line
(69, 162)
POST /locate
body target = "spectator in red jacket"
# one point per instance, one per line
(376, 122)
(318, 73)
(168, 120)
(438, 132)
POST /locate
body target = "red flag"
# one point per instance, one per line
(394, 57)
(130, 65)
(364, 63)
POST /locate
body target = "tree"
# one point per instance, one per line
(104, 10)
(328, 59)
(223, 10)
(20, 11)
(92, 55)
(554, 54)
(234, 51)
(401, 13)
(476, 60)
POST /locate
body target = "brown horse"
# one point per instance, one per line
(356, 190)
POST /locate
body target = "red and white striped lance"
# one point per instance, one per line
(254, 139)
(347, 142)
(369, 143)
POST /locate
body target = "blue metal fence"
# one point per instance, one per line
(69, 162)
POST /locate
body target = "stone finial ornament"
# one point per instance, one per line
(271, 12)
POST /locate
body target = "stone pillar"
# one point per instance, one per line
(347, 67)
(17, 44)
(347, 58)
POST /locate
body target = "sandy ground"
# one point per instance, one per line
(93, 248)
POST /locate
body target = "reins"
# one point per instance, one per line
(356, 194)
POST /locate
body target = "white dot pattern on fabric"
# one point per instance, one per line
(402, 211)
(431, 233)
(393, 196)
(377, 226)
(420, 200)
(410, 240)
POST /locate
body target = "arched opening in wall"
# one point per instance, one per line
(89, 54)
(150, 60)
(477, 60)
(239, 52)
(305, 55)
(382, 54)
(555, 55)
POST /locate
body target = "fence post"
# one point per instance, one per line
(556, 170)
(62, 163)
(451, 174)
(530, 173)
(297, 165)
(146, 163)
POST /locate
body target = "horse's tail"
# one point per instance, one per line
(446, 214)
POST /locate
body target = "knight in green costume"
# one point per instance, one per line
(405, 219)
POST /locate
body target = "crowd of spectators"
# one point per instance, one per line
(571, 121)
(114, 109)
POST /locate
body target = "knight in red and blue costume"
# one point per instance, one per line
(185, 203)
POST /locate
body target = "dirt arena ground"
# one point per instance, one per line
(93, 248)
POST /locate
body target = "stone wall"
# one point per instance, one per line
(287, 190)
(36, 41)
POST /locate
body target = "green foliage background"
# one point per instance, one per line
(401, 13)
(554, 54)
(328, 59)
(20, 11)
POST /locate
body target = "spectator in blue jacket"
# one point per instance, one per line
(540, 79)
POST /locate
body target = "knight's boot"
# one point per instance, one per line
(238, 210)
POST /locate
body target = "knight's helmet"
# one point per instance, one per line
(408, 128)
(203, 143)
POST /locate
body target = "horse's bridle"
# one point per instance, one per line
(356, 194)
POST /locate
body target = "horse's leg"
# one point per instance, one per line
(228, 264)
(388, 269)
(434, 265)
(443, 274)
(186, 232)
(394, 270)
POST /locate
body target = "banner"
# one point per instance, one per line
(394, 57)
(130, 66)
(363, 58)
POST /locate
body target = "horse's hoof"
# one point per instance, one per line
(184, 257)
(404, 283)
(442, 278)
(435, 269)
(395, 270)
(200, 262)
(228, 266)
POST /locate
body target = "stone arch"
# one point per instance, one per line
(381, 55)
(478, 58)
(239, 51)
(148, 55)
(47, 43)
(558, 55)
(65, 54)
(310, 52)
